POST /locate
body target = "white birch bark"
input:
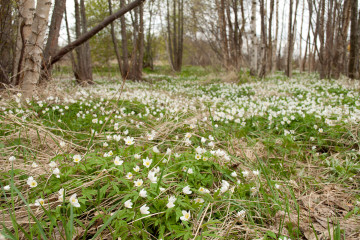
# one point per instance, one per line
(26, 11)
(34, 49)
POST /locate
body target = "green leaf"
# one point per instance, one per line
(271, 234)
(106, 224)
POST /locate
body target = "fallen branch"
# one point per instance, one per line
(86, 36)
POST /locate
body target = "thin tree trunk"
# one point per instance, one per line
(270, 42)
(329, 39)
(312, 50)
(237, 40)
(72, 59)
(175, 37)
(114, 39)
(242, 30)
(303, 63)
(53, 37)
(354, 39)
(124, 44)
(175, 34)
(280, 61)
(223, 36)
(84, 69)
(357, 67)
(253, 51)
(290, 41)
(141, 43)
(169, 43)
(301, 36)
(263, 40)
(34, 49)
(231, 51)
(78, 72)
(273, 60)
(322, 59)
(6, 42)
(149, 59)
(307, 49)
(181, 34)
(343, 18)
(134, 63)
(86, 48)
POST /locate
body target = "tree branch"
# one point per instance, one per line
(86, 36)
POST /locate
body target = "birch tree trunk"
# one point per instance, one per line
(26, 11)
(34, 49)
(254, 42)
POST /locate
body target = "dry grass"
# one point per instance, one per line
(321, 205)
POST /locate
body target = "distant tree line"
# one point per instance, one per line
(261, 36)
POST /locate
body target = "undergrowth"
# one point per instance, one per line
(183, 157)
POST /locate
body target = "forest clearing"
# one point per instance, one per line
(180, 119)
(266, 159)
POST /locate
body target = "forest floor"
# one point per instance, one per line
(187, 156)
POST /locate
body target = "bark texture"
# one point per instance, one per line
(53, 37)
(354, 39)
(175, 33)
(34, 49)
(26, 17)
(6, 42)
(254, 41)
